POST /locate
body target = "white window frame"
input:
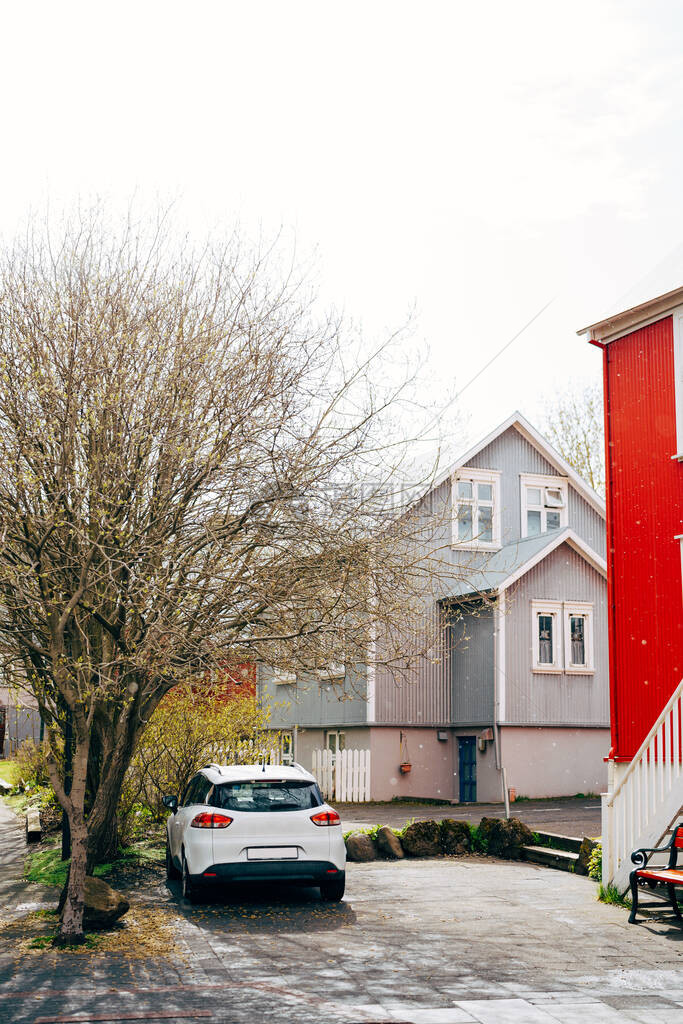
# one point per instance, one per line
(553, 608)
(579, 608)
(340, 735)
(280, 677)
(543, 483)
(332, 673)
(287, 740)
(477, 476)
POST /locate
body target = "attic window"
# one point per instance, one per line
(476, 508)
(544, 505)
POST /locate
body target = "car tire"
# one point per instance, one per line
(333, 892)
(172, 873)
(189, 890)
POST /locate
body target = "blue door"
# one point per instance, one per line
(467, 763)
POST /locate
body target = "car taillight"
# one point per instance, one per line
(208, 820)
(326, 818)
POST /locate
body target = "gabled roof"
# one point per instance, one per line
(510, 563)
(628, 320)
(522, 425)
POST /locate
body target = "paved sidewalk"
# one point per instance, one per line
(567, 815)
(16, 896)
(446, 941)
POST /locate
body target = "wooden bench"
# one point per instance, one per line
(669, 876)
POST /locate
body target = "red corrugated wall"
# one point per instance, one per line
(645, 501)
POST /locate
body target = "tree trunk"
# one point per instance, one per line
(71, 926)
(103, 844)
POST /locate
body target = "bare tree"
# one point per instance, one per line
(574, 424)
(194, 470)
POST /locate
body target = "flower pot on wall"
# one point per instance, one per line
(405, 767)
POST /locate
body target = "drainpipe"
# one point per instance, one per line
(498, 674)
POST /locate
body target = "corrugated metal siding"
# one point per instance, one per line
(555, 699)
(471, 642)
(645, 493)
(512, 454)
(585, 521)
(423, 697)
(309, 704)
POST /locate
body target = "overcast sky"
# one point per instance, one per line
(470, 161)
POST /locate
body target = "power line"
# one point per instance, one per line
(486, 365)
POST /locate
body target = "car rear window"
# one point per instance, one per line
(267, 795)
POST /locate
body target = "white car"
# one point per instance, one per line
(254, 823)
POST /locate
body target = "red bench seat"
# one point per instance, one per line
(669, 876)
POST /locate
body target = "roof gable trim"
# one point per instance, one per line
(564, 537)
(537, 441)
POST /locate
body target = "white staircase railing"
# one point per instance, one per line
(647, 797)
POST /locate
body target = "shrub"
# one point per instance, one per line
(31, 765)
(478, 841)
(189, 730)
(595, 863)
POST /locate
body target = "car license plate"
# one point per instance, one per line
(272, 853)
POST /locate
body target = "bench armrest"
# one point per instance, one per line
(641, 857)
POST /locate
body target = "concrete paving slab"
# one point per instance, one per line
(505, 1011)
(413, 941)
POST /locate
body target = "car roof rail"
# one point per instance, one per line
(217, 767)
(299, 767)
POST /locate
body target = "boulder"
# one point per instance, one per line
(422, 839)
(388, 843)
(585, 850)
(103, 905)
(505, 837)
(360, 847)
(455, 836)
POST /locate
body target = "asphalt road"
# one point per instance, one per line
(566, 816)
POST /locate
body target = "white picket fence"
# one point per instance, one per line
(249, 752)
(648, 797)
(343, 776)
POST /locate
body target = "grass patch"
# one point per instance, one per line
(9, 772)
(610, 894)
(47, 868)
(370, 830)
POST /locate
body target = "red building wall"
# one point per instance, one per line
(644, 514)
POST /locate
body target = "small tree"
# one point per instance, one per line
(191, 727)
(194, 471)
(574, 424)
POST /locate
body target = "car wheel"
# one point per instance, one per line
(172, 872)
(332, 892)
(189, 891)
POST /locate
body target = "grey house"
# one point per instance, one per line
(518, 688)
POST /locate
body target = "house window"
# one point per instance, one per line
(476, 506)
(544, 504)
(282, 678)
(578, 638)
(546, 619)
(335, 741)
(287, 747)
(332, 673)
(562, 637)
